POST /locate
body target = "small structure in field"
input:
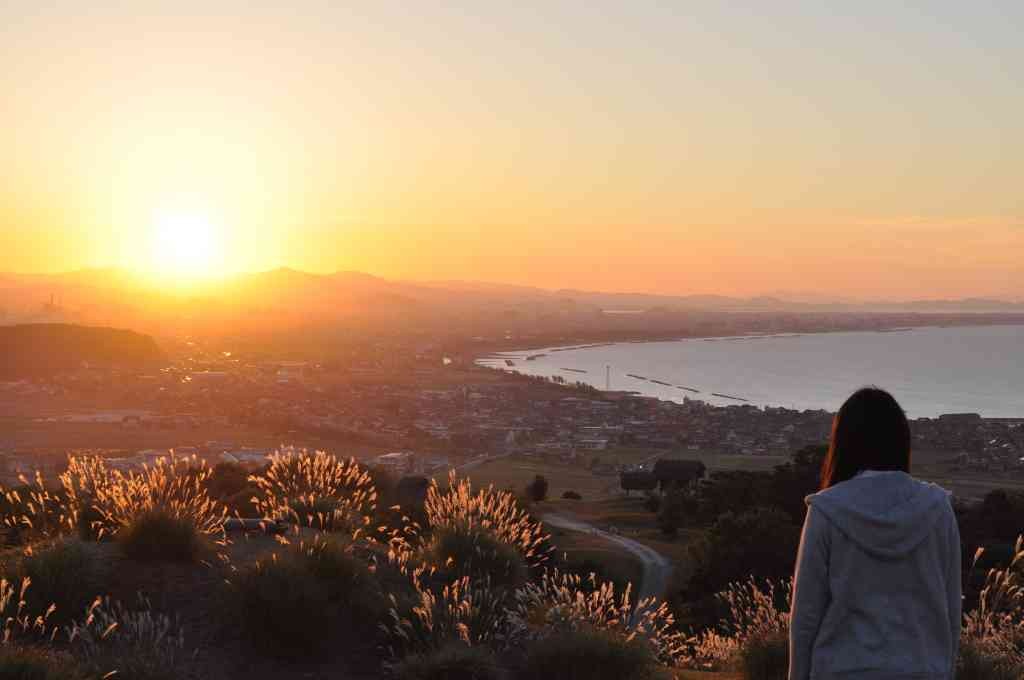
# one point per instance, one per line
(677, 473)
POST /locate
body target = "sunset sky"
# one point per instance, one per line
(864, 149)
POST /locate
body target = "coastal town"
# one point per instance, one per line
(422, 414)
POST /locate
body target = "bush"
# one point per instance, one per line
(461, 551)
(455, 661)
(764, 538)
(496, 513)
(114, 641)
(462, 611)
(537, 490)
(765, 657)
(175, 486)
(64, 574)
(227, 479)
(348, 582)
(33, 663)
(293, 604)
(589, 655)
(979, 661)
(282, 608)
(673, 509)
(572, 496)
(316, 489)
(157, 535)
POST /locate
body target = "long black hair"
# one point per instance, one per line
(870, 432)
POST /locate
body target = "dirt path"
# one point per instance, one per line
(657, 567)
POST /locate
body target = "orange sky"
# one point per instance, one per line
(872, 153)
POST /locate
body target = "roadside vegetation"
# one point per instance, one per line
(132, 574)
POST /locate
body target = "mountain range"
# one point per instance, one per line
(286, 299)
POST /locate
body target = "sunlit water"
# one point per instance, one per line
(931, 371)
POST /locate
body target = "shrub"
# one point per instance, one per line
(981, 660)
(158, 535)
(460, 551)
(292, 604)
(317, 490)
(561, 601)
(32, 512)
(114, 641)
(764, 537)
(537, 490)
(765, 657)
(348, 581)
(489, 511)
(63, 574)
(572, 496)
(589, 654)
(34, 663)
(281, 607)
(455, 661)
(176, 486)
(992, 642)
(462, 611)
(672, 512)
(227, 479)
(754, 635)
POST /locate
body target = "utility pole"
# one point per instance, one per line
(607, 378)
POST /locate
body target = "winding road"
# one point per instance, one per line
(657, 568)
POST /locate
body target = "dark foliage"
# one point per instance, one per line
(765, 658)
(537, 490)
(227, 480)
(63, 573)
(675, 508)
(157, 535)
(457, 552)
(453, 662)
(572, 496)
(34, 663)
(761, 543)
(589, 655)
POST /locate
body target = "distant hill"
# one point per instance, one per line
(302, 308)
(34, 350)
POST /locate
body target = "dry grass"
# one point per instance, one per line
(317, 490)
(174, 486)
(561, 601)
(458, 507)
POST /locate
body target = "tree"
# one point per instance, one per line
(640, 480)
(675, 507)
(759, 543)
(537, 490)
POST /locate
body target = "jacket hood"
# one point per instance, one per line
(887, 514)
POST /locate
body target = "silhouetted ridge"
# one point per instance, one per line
(33, 350)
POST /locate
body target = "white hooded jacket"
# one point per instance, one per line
(876, 595)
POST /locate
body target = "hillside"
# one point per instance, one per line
(32, 350)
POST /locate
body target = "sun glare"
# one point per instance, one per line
(185, 244)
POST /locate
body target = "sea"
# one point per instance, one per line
(930, 370)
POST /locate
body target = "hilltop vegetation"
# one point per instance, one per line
(349, 575)
(39, 350)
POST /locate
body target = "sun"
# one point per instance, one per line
(185, 244)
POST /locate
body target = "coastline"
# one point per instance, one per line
(773, 378)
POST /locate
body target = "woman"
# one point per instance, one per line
(876, 594)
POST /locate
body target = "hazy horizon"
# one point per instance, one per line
(848, 152)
